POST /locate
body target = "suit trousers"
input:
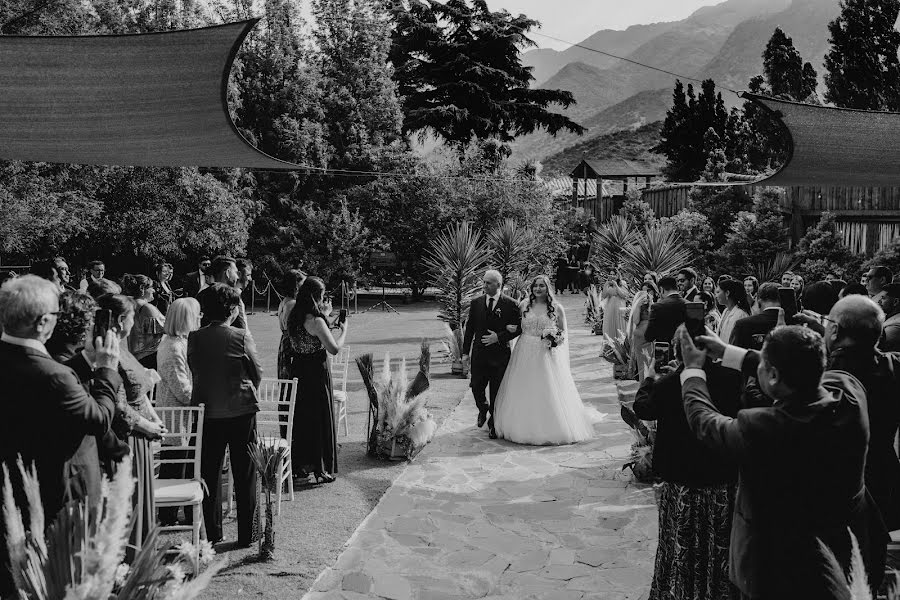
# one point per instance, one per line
(234, 433)
(484, 375)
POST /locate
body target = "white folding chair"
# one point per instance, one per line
(339, 365)
(274, 421)
(182, 445)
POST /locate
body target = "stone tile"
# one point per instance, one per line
(393, 587)
(356, 582)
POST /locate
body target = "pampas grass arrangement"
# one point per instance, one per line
(80, 555)
(267, 457)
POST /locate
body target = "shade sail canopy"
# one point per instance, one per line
(146, 100)
(836, 146)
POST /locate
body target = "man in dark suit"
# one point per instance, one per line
(196, 280)
(801, 466)
(47, 413)
(687, 284)
(487, 339)
(667, 314)
(750, 332)
(224, 270)
(890, 304)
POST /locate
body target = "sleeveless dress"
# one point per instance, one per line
(314, 445)
(538, 402)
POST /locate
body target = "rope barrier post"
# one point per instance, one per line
(269, 297)
(252, 296)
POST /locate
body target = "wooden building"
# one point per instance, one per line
(868, 218)
(608, 181)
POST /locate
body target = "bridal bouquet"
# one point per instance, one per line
(553, 337)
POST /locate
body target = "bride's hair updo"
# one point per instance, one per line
(551, 299)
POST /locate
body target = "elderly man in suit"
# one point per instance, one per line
(47, 413)
(667, 314)
(801, 465)
(750, 332)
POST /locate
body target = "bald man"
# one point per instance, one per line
(852, 332)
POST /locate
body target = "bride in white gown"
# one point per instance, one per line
(538, 402)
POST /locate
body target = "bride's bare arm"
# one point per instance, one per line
(560, 317)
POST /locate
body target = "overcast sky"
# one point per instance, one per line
(575, 20)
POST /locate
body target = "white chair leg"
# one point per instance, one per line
(195, 538)
(289, 467)
(198, 515)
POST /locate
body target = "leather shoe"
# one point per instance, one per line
(493, 434)
(482, 418)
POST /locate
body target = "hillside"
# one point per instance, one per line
(630, 145)
(638, 110)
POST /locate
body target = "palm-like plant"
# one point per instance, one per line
(267, 457)
(609, 243)
(657, 248)
(510, 245)
(773, 270)
(454, 262)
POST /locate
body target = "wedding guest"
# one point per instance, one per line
(65, 273)
(96, 273)
(685, 280)
(47, 412)
(226, 373)
(890, 304)
(613, 298)
(751, 286)
(787, 278)
(829, 277)
(46, 269)
(314, 445)
(195, 281)
(696, 496)
(667, 313)
(801, 465)
(562, 274)
(750, 332)
(639, 318)
(176, 383)
(709, 285)
(148, 321)
(797, 284)
(245, 274)
(101, 287)
(293, 280)
(712, 316)
(875, 279)
(733, 296)
(163, 294)
(140, 430)
(223, 270)
(838, 285)
(853, 289)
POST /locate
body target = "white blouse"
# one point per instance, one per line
(729, 318)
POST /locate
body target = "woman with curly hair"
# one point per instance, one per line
(537, 402)
(149, 323)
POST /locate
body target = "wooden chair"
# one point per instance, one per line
(275, 423)
(185, 438)
(339, 365)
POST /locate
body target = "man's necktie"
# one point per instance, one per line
(490, 305)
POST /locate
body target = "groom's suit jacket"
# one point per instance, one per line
(506, 312)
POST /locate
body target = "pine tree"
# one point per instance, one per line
(786, 74)
(461, 76)
(863, 70)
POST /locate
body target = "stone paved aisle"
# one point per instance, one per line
(478, 518)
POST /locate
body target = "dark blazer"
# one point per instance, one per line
(801, 469)
(880, 374)
(678, 456)
(47, 414)
(191, 284)
(890, 335)
(162, 298)
(506, 312)
(205, 297)
(750, 332)
(665, 317)
(691, 294)
(226, 370)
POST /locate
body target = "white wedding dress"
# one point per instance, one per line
(538, 402)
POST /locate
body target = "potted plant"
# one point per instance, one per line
(267, 456)
(453, 340)
(80, 555)
(618, 352)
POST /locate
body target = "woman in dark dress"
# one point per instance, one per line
(696, 497)
(294, 279)
(314, 446)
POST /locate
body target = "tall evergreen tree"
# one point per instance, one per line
(785, 72)
(863, 70)
(461, 76)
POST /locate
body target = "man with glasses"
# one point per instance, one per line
(686, 279)
(195, 281)
(96, 274)
(46, 411)
(875, 280)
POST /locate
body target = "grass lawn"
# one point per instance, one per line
(311, 531)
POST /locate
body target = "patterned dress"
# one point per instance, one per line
(692, 552)
(314, 444)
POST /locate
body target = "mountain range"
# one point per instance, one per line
(723, 42)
